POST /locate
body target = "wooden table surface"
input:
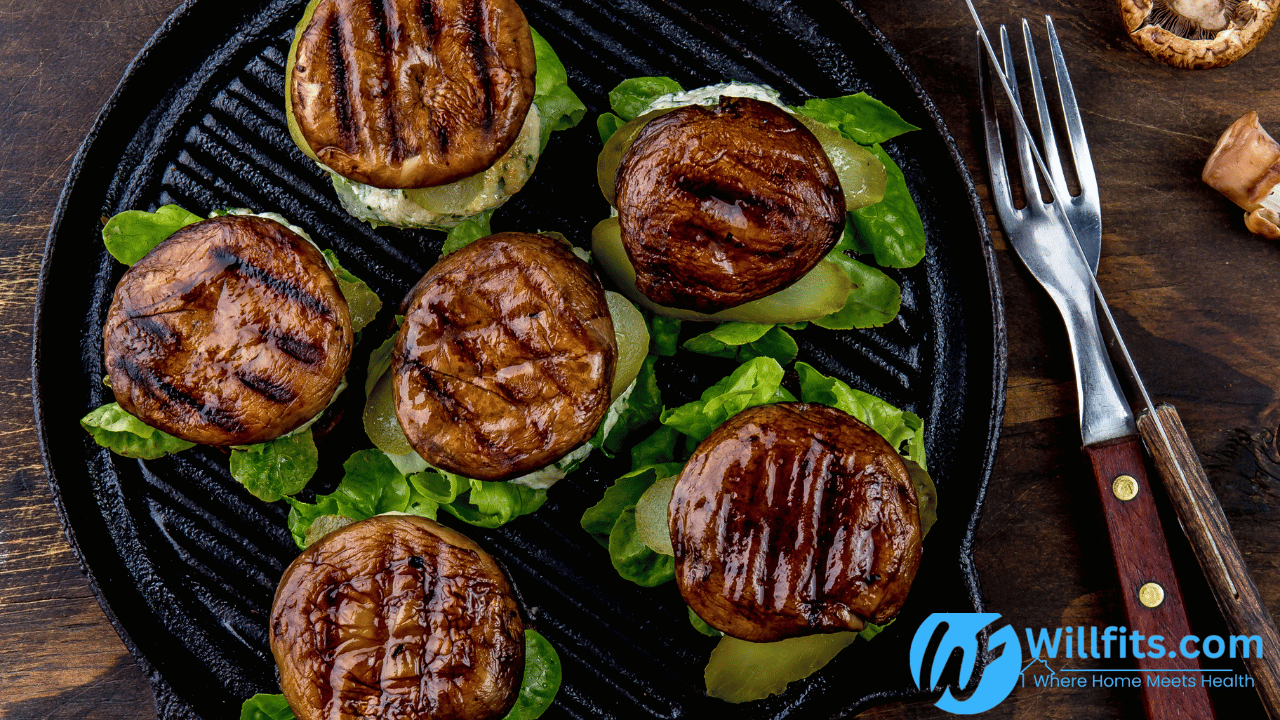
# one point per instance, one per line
(1194, 292)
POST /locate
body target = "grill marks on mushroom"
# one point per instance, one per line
(412, 93)
(794, 519)
(506, 357)
(720, 206)
(231, 332)
(397, 617)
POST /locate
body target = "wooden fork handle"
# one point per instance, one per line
(1211, 541)
(1152, 597)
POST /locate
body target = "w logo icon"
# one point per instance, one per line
(998, 677)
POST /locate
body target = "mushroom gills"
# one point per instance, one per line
(1197, 34)
(1198, 19)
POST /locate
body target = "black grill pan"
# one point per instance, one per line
(184, 562)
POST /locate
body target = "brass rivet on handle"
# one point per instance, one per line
(1125, 488)
(1151, 595)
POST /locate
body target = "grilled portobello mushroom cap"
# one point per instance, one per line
(233, 331)
(720, 206)
(506, 357)
(410, 93)
(794, 519)
(396, 617)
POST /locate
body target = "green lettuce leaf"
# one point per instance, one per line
(755, 382)
(466, 232)
(891, 229)
(123, 434)
(130, 235)
(266, 707)
(478, 502)
(664, 335)
(542, 676)
(442, 487)
(625, 492)
(861, 118)
(276, 468)
(632, 96)
(898, 427)
(744, 341)
(558, 106)
(380, 360)
(373, 485)
(363, 302)
(492, 504)
(915, 444)
(701, 625)
(660, 447)
(874, 300)
(612, 522)
(634, 560)
(607, 124)
(871, 629)
(370, 486)
(642, 407)
(734, 333)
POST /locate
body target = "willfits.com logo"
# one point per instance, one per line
(999, 676)
(1006, 670)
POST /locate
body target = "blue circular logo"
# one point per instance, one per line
(998, 677)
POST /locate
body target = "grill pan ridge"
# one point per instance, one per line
(184, 562)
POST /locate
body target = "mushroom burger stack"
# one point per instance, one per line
(235, 332)
(793, 519)
(506, 359)
(734, 207)
(397, 616)
(792, 524)
(424, 114)
(511, 357)
(231, 332)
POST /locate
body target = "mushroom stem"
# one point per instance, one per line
(1208, 15)
(1245, 167)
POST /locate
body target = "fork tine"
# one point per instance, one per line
(1049, 148)
(1030, 185)
(1001, 196)
(1085, 209)
(1080, 156)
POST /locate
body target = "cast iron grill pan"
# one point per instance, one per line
(185, 562)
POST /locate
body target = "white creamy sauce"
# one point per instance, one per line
(450, 204)
(277, 217)
(710, 95)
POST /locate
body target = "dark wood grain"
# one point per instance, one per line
(1202, 519)
(1141, 556)
(58, 65)
(1193, 291)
